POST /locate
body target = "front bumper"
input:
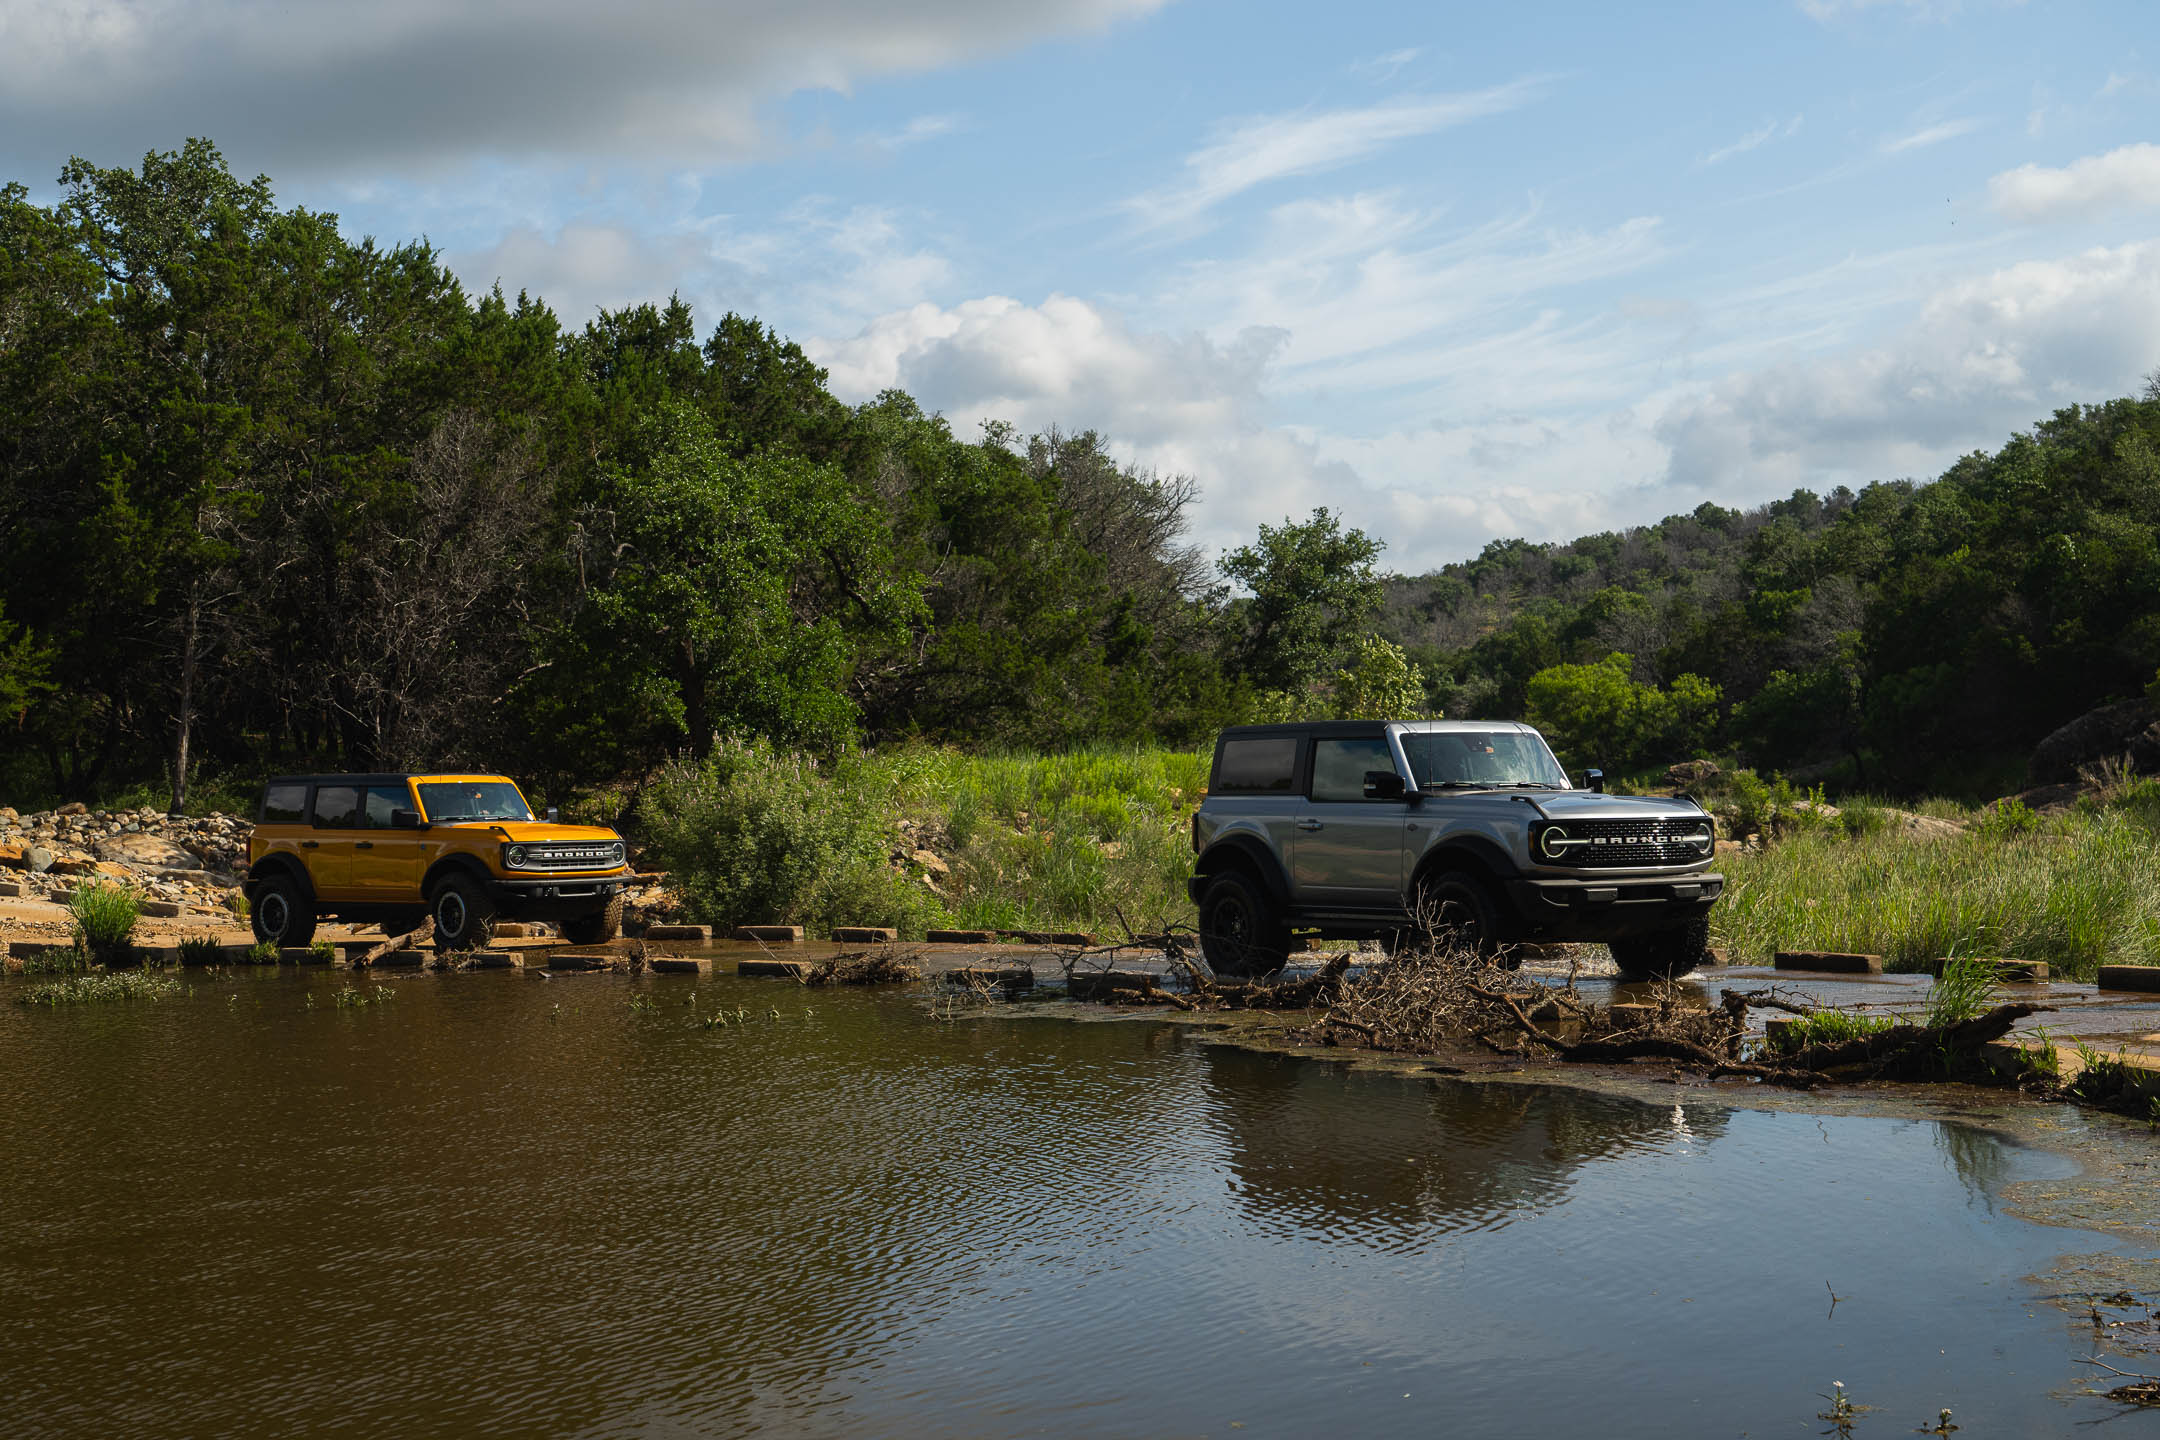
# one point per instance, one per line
(1606, 908)
(571, 893)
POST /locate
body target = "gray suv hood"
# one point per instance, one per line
(1576, 804)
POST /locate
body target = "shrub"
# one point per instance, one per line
(201, 950)
(2010, 816)
(105, 917)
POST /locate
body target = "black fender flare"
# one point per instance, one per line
(278, 864)
(1475, 854)
(1250, 853)
(458, 863)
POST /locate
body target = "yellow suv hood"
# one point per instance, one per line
(532, 831)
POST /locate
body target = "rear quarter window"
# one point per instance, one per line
(284, 804)
(1256, 767)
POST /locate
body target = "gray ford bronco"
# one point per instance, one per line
(1466, 832)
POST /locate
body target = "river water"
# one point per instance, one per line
(498, 1205)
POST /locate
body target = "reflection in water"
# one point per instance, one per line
(1372, 1159)
(505, 1206)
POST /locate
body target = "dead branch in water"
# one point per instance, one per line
(394, 944)
(882, 966)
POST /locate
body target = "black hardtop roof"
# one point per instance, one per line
(1325, 729)
(387, 777)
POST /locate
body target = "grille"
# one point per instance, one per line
(1633, 842)
(600, 855)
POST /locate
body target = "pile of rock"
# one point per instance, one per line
(190, 861)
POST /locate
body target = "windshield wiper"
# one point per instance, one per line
(1461, 785)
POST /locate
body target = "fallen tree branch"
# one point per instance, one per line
(394, 944)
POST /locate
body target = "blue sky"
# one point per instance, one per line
(1457, 271)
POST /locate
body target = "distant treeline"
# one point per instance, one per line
(270, 497)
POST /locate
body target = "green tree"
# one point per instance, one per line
(1309, 588)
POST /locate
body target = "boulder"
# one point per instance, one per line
(2108, 733)
(75, 807)
(13, 857)
(73, 865)
(148, 852)
(1689, 774)
(39, 859)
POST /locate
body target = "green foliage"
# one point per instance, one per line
(2009, 816)
(262, 952)
(1310, 587)
(1963, 991)
(324, 952)
(201, 950)
(351, 997)
(2078, 895)
(1379, 683)
(1824, 1027)
(114, 985)
(1599, 715)
(104, 916)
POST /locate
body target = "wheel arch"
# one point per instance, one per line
(278, 865)
(458, 864)
(1472, 854)
(1250, 854)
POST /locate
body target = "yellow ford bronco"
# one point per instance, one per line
(399, 849)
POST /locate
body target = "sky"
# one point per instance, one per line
(1458, 272)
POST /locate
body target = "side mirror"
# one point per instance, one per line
(1594, 780)
(407, 820)
(554, 813)
(1383, 785)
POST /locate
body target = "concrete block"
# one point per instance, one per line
(11, 890)
(302, 955)
(570, 962)
(515, 930)
(407, 959)
(497, 960)
(678, 932)
(680, 964)
(1049, 937)
(1105, 984)
(774, 969)
(2130, 977)
(864, 934)
(161, 909)
(768, 934)
(961, 937)
(1828, 962)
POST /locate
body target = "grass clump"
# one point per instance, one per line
(1824, 1027)
(262, 952)
(2078, 891)
(105, 917)
(324, 952)
(81, 989)
(201, 950)
(1964, 991)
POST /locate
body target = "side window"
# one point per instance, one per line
(1257, 767)
(1339, 766)
(381, 800)
(337, 807)
(284, 804)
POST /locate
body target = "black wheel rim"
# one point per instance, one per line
(276, 916)
(450, 914)
(1456, 924)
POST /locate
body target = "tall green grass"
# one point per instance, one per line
(105, 917)
(1020, 842)
(2078, 891)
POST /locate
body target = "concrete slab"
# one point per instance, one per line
(678, 932)
(570, 962)
(961, 937)
(1103, 984)
(162, 909)
(10, 890)
(2130, 977)
(767, 934)
(681, 964)
(1005, 977)
(1828, 962)
(864, 934)
(497, 960)
(2011, 972)
(407, 959)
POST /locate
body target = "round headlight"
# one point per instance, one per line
(514, 857)
(620, 852)
(1552, 843)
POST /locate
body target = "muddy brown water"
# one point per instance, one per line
(498, 1205)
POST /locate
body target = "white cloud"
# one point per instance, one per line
(1929, 135)
(2123, 179)
(1254, 152)
(1984, 357)
(1774, 130)
(321, 82)
(921, 128)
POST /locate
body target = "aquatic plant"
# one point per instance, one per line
(323, 952)
(201, 950)
(117, 985)
(1964, 991)
(1824, 1027)
(105, 917)
(351, 997)
(262, 952)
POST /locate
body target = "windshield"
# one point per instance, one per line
(1470, 757)
(453, 800)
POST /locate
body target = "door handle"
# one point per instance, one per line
(363, 845)
(308, 844)
(1308, 824)
(1410, 825)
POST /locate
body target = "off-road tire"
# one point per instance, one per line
(1662, 954)
(1456, 912)
(596, 928)
(1242, 934)
(464, 914)
(280, 915)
